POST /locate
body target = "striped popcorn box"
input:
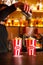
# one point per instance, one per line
(17, 46)
(27, 8)
(31, 46)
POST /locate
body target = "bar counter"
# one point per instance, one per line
(23, 59)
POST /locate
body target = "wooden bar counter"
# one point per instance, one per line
(24, 59)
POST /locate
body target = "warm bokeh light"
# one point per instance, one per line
(36, 22)
(31, 25)
(16, 22)
(9, 20)
(39, 6)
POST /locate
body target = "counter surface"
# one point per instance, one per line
(24, 59)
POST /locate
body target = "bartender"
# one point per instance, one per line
(3, 38)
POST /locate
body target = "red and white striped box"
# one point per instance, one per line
(17, 46)
(27, 8)
(31, 46)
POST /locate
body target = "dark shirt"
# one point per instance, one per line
(3, 38)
